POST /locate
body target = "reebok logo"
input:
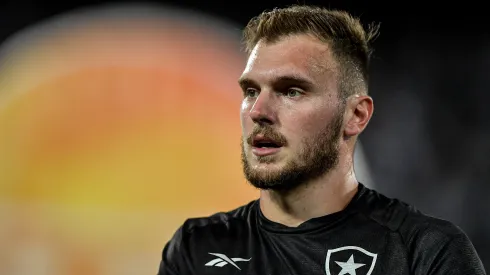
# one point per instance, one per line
(223, 260)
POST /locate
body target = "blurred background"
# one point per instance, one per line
(119, 120)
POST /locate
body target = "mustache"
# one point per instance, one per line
(268, 133)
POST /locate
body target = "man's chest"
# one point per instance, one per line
(338, 252)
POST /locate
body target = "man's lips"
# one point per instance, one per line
(265, 151)
(263, 141)
(264, 146)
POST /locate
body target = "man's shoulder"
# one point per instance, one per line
(421, 229)
(435, 245)
(410, 222)
(238, 216)
(204, 233)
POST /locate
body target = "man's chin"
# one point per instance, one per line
(270, 180)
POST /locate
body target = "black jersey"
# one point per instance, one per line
(373, 235)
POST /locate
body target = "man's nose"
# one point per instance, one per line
(264, 110)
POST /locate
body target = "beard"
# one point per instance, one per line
(318, 155)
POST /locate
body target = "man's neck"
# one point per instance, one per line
(325, 195)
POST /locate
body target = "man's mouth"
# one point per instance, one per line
(263, 146)
(260, 141)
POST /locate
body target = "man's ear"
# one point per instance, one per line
(359, 110)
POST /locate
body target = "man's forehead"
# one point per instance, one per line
(291, 54)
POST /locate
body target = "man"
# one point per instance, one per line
(305, 103)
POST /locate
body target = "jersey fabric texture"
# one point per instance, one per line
(373, 235)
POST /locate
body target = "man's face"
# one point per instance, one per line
(291, 114)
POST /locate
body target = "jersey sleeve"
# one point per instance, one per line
(443, 253)
(174, 260)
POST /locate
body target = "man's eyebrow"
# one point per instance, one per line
(246, 82)
(295, 79)
(290, 78)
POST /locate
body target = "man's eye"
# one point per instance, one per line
(251, 93)
(293, 93)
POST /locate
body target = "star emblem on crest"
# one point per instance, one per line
(349, 267)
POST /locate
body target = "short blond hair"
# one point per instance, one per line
(349, 40)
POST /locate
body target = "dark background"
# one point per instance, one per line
(429, 140)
